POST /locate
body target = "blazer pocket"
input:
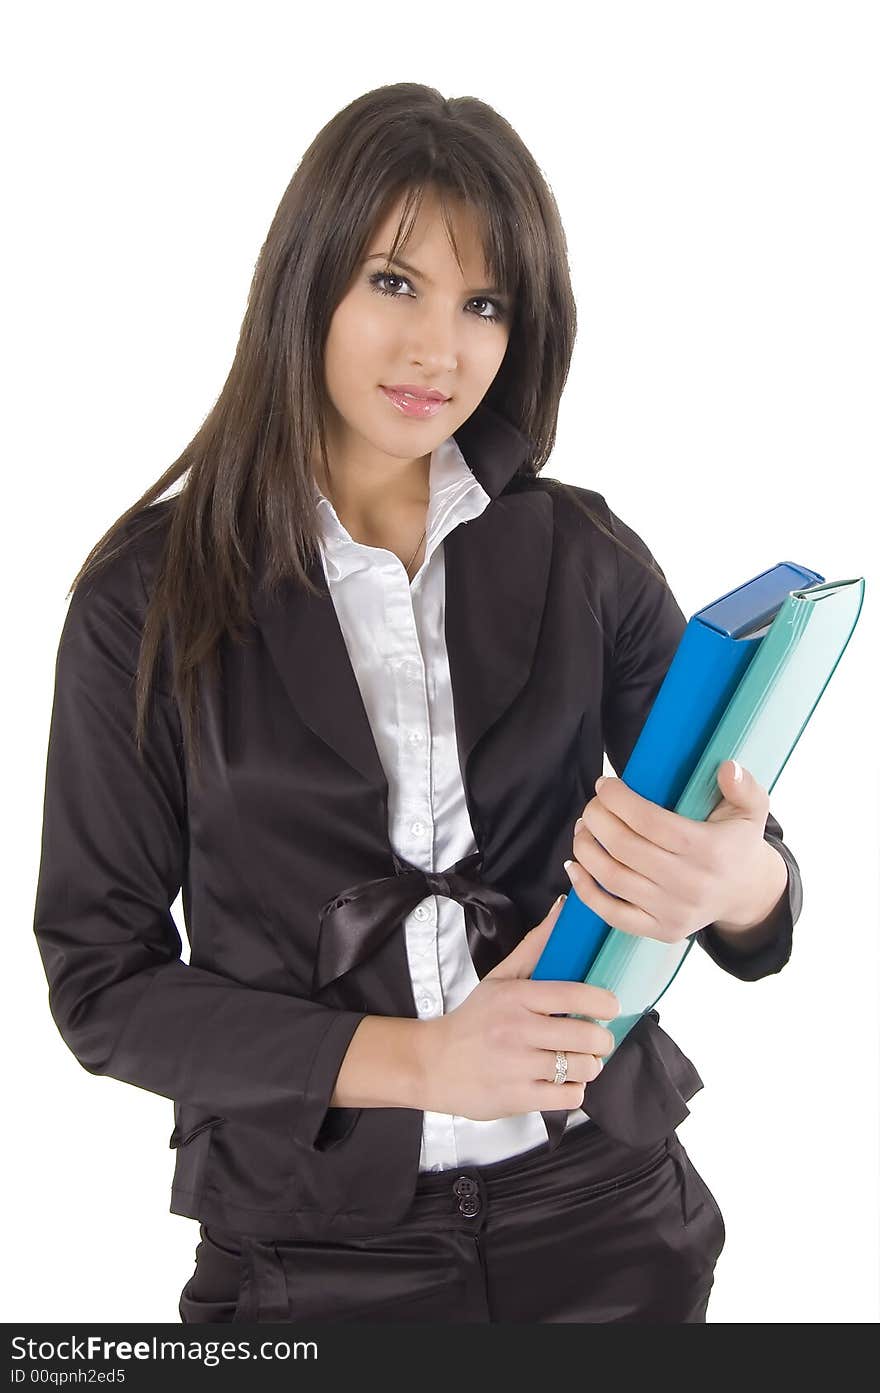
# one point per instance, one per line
(191, 1139)
(338, 1124)
(179, 1137)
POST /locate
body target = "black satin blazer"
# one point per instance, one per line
(292, 896)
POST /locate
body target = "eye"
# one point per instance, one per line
(379, 276)
(483, 300)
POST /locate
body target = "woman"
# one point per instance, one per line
(350, 687)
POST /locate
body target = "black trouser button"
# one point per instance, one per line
(465, 1186)
(467, 1192)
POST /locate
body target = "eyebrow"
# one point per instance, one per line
(414, 271)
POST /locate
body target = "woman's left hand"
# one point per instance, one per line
(670, 874)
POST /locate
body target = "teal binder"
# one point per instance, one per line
(787, 662)
(760, 727)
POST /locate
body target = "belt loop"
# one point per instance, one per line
(263, 1296)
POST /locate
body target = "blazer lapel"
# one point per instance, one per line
(497, 570)
(306, 643)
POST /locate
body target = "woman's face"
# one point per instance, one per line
(431, 326)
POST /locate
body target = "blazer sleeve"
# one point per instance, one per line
(113, 857)
(649, 625)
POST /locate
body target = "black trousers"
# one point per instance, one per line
(594, 1232)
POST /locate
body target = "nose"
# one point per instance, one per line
(435, 343)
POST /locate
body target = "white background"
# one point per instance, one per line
(716, 168)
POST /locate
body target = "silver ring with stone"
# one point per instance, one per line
(561, 1066)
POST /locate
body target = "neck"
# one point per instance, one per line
(371, 491)
(380, 502)
(371, 494)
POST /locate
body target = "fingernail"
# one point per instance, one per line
(558, 901)
(600, 781)
(579, 824)
(737, 772)
(568, 865)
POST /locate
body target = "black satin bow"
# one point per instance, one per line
(356, 922)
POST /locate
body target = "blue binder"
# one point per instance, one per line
(713, 654)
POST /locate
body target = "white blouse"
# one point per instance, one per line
(395, 635)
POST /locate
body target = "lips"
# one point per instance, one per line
(406, 389)
(417, 408)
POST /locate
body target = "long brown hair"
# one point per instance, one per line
(247, 470)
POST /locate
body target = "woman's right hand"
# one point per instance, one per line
(495, 1054)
